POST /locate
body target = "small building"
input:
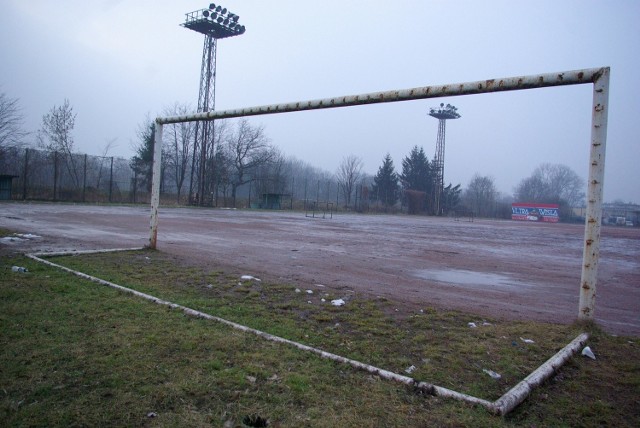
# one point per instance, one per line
(271, 201)
(6, 182)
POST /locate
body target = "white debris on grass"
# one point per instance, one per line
(587, 352)
(338, 302)
(309, 291)
(318, 285)
(410, 369)
(475, 325)
(298, 290)
(491, 373)
(19, 269)
(323, 300)
(527, 340)
(249, 278)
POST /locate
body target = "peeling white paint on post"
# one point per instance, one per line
(574, 77)
(155, 185)
(594, 196)
(521, 391)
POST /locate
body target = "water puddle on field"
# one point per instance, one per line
(470, 278)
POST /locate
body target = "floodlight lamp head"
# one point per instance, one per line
(216, 21)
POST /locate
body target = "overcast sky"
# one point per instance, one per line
(118, 61)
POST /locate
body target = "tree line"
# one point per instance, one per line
(239, 160)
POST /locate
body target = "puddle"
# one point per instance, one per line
(470, 278)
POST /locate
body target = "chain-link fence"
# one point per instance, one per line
(57, 176)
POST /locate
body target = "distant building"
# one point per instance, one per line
(621, 214)
(5, 186)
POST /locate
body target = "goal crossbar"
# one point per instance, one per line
(598, 77)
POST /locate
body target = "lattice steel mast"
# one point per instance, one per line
(442, 114)
(215, 23)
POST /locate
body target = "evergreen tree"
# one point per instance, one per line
(418, 178)
(450, 197)
(142, 162)
(385, 183)
(416, 171)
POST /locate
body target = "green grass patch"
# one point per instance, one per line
(77, 353)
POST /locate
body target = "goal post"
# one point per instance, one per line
(598, 77)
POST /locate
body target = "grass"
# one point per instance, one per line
(76, 353)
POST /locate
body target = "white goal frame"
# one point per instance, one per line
(599, 77)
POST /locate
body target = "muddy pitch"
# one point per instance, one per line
(503, 269)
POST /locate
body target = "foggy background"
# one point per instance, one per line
(119, 62)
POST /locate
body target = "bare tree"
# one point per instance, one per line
(247, 148)
(481, 195)
(56, 136)
(105, 154)
(11, 118)
(552, 183)
(348, 174)
(179, 142)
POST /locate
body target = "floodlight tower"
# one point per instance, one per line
(215, 23)
(442, 114)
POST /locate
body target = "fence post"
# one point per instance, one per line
(111, 181)
(55, 175)
(594, 196)
(155, 186)
(25, 175)
(84, 179)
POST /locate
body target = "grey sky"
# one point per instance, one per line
(117, 61)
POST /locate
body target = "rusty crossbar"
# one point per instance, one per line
(599, 77)
(575, 77)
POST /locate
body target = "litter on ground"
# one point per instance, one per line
(587, 352)
(338, 302)
(410, 369)
(491, 373)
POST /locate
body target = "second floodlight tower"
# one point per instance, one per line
(215, 22)
(443, 114)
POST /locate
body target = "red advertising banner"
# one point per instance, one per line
(535, 212)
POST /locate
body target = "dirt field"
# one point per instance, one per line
(504, 269)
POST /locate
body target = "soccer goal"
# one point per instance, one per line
(598, 77)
